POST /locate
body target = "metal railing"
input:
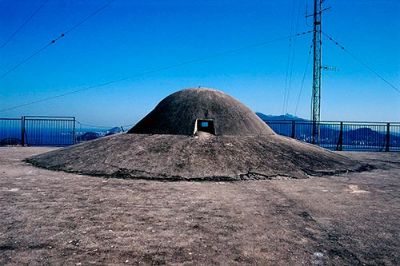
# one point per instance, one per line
(346, 136)
(10, 131)
(334, 135)
(37, 131)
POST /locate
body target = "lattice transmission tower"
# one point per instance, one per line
(317, 67)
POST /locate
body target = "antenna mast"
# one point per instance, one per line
(316, 88)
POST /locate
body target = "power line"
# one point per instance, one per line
(361, 61)
(289, 58)
(44, 47)
(30, 57)
(303, 79)
(292, 63)
(27, 20)
(94, 13)
(206, 58)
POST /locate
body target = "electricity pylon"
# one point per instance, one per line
(317, 56)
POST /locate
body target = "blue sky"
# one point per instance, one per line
(129, 37)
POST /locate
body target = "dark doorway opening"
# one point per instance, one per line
(205, 125)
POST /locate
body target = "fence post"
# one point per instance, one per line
(73, 132)
(23, 131)
(387, 137)
(293, 129)
(339, 146)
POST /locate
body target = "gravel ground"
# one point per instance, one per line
(49, 217)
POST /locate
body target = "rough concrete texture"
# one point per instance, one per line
(162, 146)
(179, 157)
(177, 113)
(58, 218)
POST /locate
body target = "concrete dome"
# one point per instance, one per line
(182, 113)
(171, 143)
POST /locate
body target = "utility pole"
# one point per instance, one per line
(317, 56)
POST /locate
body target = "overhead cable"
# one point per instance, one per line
(53, 41)
(26, 21)
(303, 79)
(164, 68)
(356, 58)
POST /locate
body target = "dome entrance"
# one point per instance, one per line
(204, 125)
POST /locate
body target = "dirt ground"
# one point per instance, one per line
(51, 217)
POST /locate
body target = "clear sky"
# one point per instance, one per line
(129, 37)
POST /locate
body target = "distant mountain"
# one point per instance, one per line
(114, 130)
(279, 117)
(357, 135)
(88, 136)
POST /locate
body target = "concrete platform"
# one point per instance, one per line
(49, 217)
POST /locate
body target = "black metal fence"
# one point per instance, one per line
(37, 131)
(346, 136)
